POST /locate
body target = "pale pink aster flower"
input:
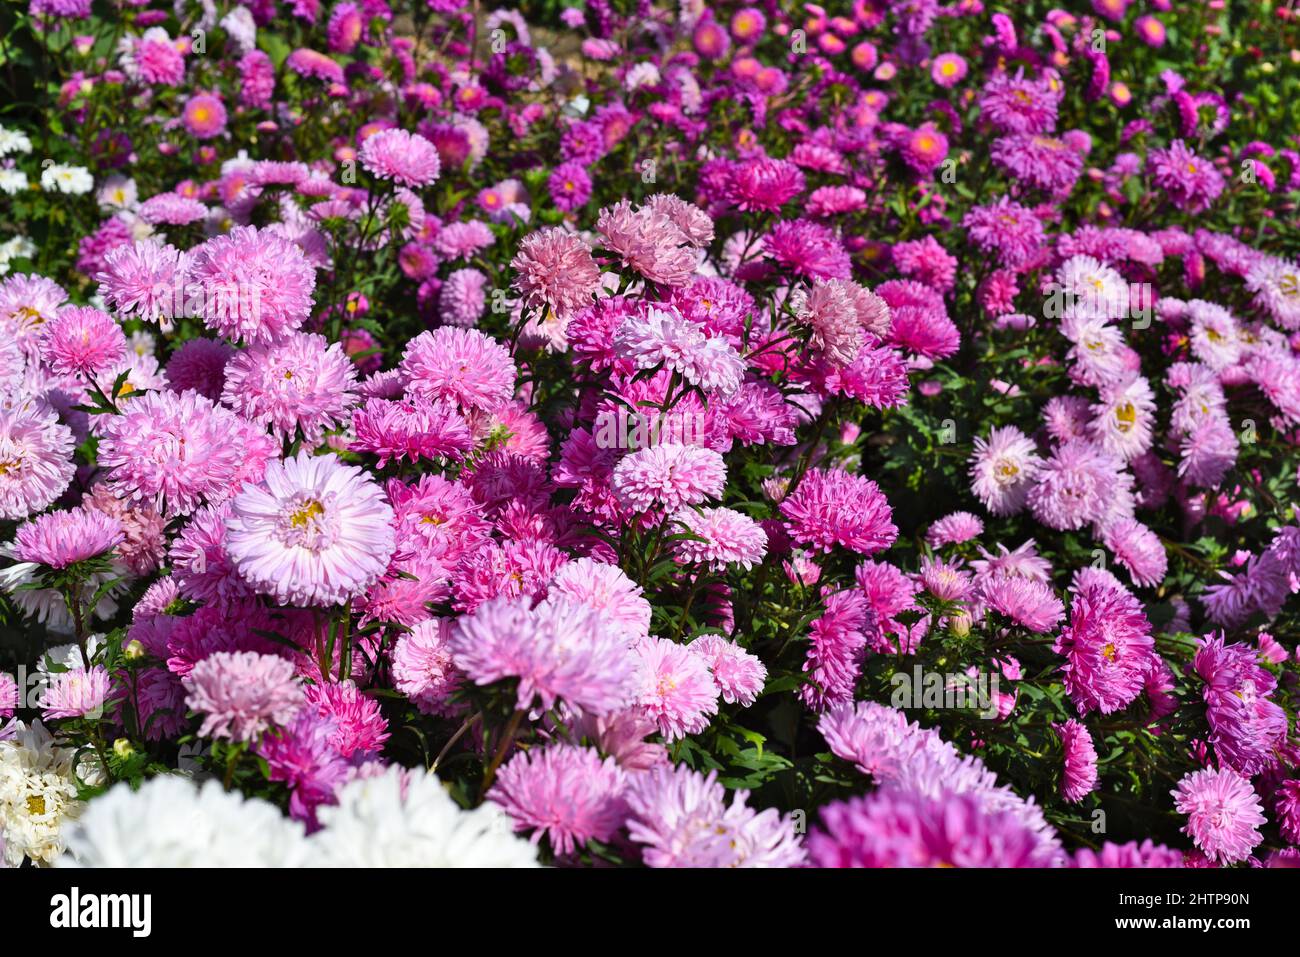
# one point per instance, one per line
(82, 341)
(1067, 417)
(1123, 419)
(675, 688)
(171, 450)
(557, 650)
(145, 280)
(36, 464)
(461, 365)
(739, 675)
(696, 225)
(1079, 484)
(729, 537)
(199, 364)
(437, 518)
(412, 429)
(1207, 452)
(661, 337)
(829, 311)
(1138, 549)
(26, 304)
(1079, 773)
(554, 271)
(77, 693)
(297, 383)
(406, 158)
(255, 286)
(683, 820)
(1003, 469)
(513, 569)
(143, 545)
(423, 669)
(1276, 285)
(1028, 602)
(668, 475)
(1024, 562)
(947, 581)
(172, 209)
(313, 532)
(1223, 813)
(62, 537)
(649, 242)
(607, 590)
(566, 793)
(831, 506)
(242, 694)
(953, 529)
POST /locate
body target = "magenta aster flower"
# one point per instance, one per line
(948, 69)
(199, 364)
(727, 538)
(837, 643)
(423, 669)
(1108, 649)
(358, 726)
(241, 695)
(919, 320)
(460, 365)
(831, 506)
(738, 675)
(900, 829)
(406, 158)
(255, 286)
(1138, 549)
(60, 538)
(1006, 228)
(200, 566)
(157, 58)
(82, 341)
(1223, 813)
(1079, 774)
(1029, 603)
(310, 63)
(463, 297)
(1248, 730)
(35, 460)
(1191, 182)
(568, 794)
(808, 249)
(171, 450)
(668, 476)
(412, 429)
(1144, 855)
(1015, 104)
(298, 383)
(313, 532)
(557, 650)
(682, 819)
(78, 693)
(1038, 161)
(172, 209)
(607, 590)
(764, 184)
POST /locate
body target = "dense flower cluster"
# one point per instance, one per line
(419, 446)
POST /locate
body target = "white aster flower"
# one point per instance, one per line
(73, 180)
(38, 795)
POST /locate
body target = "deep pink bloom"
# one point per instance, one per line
(422, 666)
(1223, 813)
(461, 365)
(296, 385)
(406, 158)
(82, 341)
(1079, 773)
(60, 538)
(1108, 649)
(831, 506)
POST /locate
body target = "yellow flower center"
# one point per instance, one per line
(305, 513)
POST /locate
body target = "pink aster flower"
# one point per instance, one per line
(1108, 649)
(808, 249)
(171, 450)
(948, 69)
(1191, 182)
(358, 727)
(60, 538)
(412, 429)
(423, 669)
(1138, 549)
(675, 688)
(313, 532)
(406, 158)
(143, 545)
(953, 529)
(837, 643)
(310, 63)
(739, 675)
(764, 184)
(726, 537)
(557, 650)
(204, 116)
(1223, 813)
(668, 476)
(649, 242)
(241, 695)
(1145, 855)
(255, 285)
(8, 695)
(36, 463)
(554, 271)
(833, 507)
(200, 566)
(199, 364)
(695, 224)
(1080, 484)
(172, 209)
(682, 819)
(145, 280)
(298, 383)
(463, 297)
(662, 338)
(607, 590)
(26, 303)
(461, 365)
(1079, 774)
(919, 321)
(158, 59)
(82, 341)
(513, 569)
(1029, 603)
(840, 314)
(902, 829)
(77, 693)
(568, 794)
